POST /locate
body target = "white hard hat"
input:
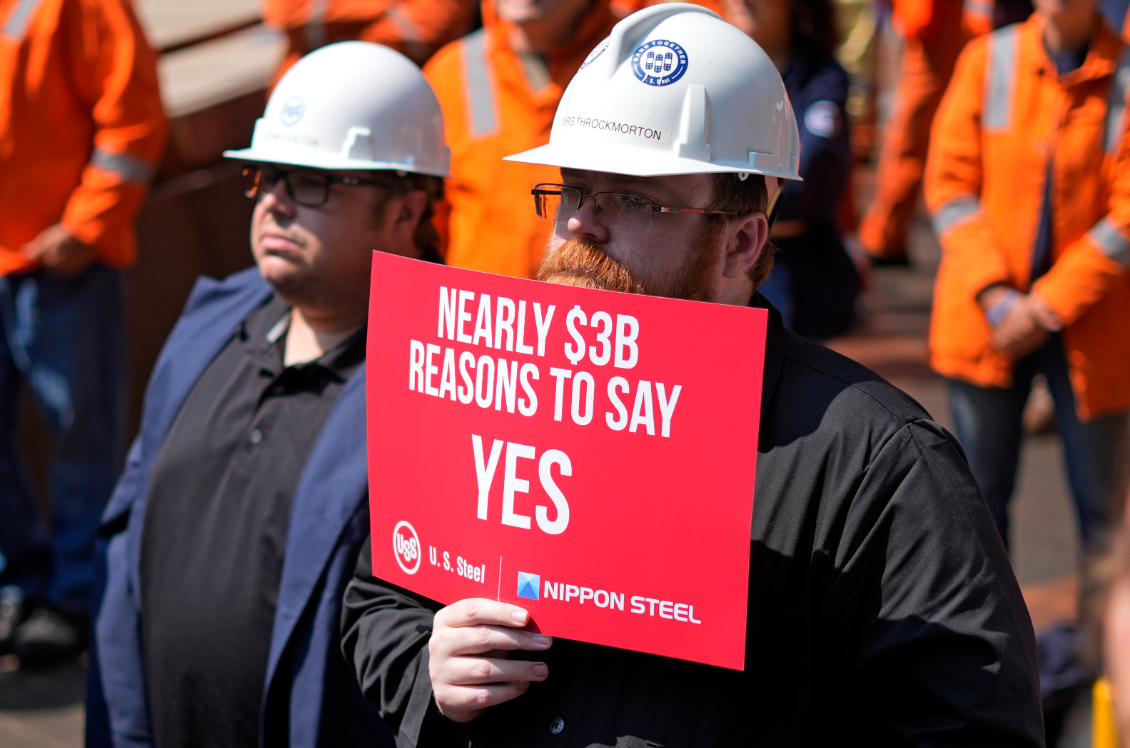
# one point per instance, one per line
(674, 89)
(352, 105)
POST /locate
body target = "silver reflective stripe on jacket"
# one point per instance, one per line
(408, 29)
(480, 84)
(1116, 102)
(1109, 238)
(1000, 79)
(958, 210)
(129, 168)
(17, 23)
(315, 28)
(410, 33)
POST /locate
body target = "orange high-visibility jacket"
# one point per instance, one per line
(416, 28)
(493, 108)
(1005, 114)
(929, 19)
(81, 124)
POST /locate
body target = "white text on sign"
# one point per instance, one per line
(640, 605)
(464, 377)
(485, 469)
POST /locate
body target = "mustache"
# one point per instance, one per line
(583, 265)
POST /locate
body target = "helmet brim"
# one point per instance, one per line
(629, 161)
(329, 162)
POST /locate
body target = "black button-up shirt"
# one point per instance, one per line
(216, 527)
(882, 607)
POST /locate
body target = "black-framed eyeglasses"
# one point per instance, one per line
(306, 187)
(614, 210)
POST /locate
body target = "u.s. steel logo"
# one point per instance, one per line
(406, 547)
(659, 62)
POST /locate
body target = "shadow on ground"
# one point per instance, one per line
(49, 688)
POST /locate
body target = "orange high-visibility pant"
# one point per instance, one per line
(924, 73)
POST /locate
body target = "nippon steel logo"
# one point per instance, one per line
(528, 585)
(292, 111)
(659, 62)
(406, 547)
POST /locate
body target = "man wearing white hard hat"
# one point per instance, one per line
(237, 521)
(882, 608)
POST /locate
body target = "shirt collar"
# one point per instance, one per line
(265, 334)
(1101, 58)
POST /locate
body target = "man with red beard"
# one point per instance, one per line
(882, 607)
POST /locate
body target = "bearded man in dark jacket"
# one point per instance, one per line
(882, 607)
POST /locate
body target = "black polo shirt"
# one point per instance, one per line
(216, 527)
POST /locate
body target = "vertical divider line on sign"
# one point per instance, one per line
(498, 595)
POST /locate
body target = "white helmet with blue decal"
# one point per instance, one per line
(674, 89)
(352, 105)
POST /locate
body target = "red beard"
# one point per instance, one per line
(583, 264)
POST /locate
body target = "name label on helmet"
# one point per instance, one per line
(287, 137)
(651, 134)
(659, 62)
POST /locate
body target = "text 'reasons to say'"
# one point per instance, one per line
(603, 349)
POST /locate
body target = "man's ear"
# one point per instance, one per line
(402, 213)
(744, 238)
(412, 208)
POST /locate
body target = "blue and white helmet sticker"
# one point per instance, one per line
(659, 62)
(292, 111)
(823, 119)
(600, 49)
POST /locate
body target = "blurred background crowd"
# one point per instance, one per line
(955, 230)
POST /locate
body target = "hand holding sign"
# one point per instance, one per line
(468, 653)
(584, 453)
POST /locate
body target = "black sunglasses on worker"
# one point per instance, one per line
(306, 187)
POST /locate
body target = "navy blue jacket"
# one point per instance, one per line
(818, 90)
(825, 281)
(311, 696)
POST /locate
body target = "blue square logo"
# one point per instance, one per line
(528, 585)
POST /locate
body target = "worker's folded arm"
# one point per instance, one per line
(114, 72)
(1097, 261)
(954, 174)
(1088, 268)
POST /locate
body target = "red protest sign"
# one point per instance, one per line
(587, 455)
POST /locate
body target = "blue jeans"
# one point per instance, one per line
(63, 337)
(988, 425)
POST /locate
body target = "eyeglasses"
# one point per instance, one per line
(614, 210)
(304, 186)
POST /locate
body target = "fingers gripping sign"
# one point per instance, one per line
(469, 653)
